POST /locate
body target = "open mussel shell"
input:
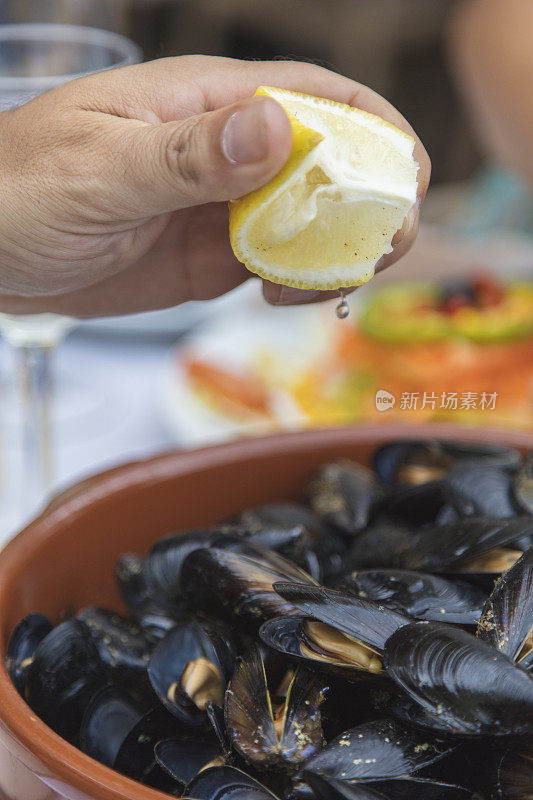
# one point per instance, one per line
(190, 667)
(109, 717)
(460, 684)
(339, 633)
(122, 645)
(65, 673)
(226, 783)
(410, 462)
(421, 595)
(507, 619)
(355, 617)
(421, 460)
(436, 547)
(272, 732)
(342, 495)
(380, 749)
(136, 756)
(184, 757)
(236, 584)
(21, 647)
(475, 489)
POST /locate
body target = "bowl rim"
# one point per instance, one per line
(61, 759)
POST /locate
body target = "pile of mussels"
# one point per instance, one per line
(376, 644)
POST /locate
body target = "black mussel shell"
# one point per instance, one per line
(109, 717)
(410, 462)
(153, 614)
(165, 560)
(65, 673)
(226, 783)
(475, 489)
(327, 788)
(268, 732)
(358, 701)
(184, 757)
(462, 686)
(324, 787)
(123, 647)
(498, 455)
(421, 460)
(23, 642)
(381, 546)
(136, 757)
(362, 619)
(421, 595)
(412, 505)
(235, 584)
(515, 773)
(507, 619)
(523, 486)
(343, 495)
(380, 749)
(320, 543)
(339, 633)
(436, 547)
(190, 667)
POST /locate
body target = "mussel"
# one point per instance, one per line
(235, 584)
(22, 645)
(422, 460)
(227, 783)
(475, 489)
(421, 595)
(122, 645)
(65, 673)
(269, 732)
(438, 547)
(190, 667)
(338, 632)
(151, 612)
(343, 494)
(136, 755)
(378, 750)
(109, 717)
(507, 619)
(459, 684)
(185, 757)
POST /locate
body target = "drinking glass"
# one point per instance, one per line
(35, 57)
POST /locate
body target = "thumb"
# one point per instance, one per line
(217, 156)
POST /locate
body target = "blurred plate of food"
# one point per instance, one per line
(456, 347)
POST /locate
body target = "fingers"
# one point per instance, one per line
(212, 157)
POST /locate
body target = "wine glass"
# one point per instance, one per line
(35, 57)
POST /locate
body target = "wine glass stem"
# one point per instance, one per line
(35, 381)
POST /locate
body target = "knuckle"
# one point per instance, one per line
(180, 156)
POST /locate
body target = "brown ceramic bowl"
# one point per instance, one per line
(65, 560)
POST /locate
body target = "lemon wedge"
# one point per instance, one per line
(330, 214)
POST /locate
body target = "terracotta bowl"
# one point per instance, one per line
(65, 559)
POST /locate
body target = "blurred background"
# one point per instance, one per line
(125, 388)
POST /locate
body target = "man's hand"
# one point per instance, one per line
(114, 187)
